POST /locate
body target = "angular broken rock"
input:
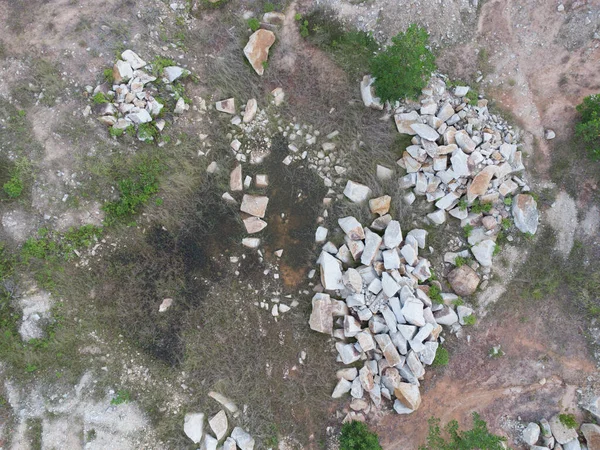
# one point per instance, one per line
(372, 244)
(225, 402)
(531, 433)
(380, 205)
(357, 192)
(388, 349)
(235, 179)
(193, 426)
(172, 73)
(393, 234)
(331, 272)
(226, 106)
(445, 316)
(243, 439)
(229, 444)
(255, 205)
(321, 318)
(254, 224)
(251, 242)
(425, 131)
(257, 49)
(483, 252)
(525, 213)
(464, 280)
(560, 431)
(413, 312)
(166, 304)
(480, 183)
(409, 395)
(352, 228)
(209, 443)
(405, 120)
(133, 59)
(218, 423)
(342, 387)
(250, 111)
(464, 141)
(367, 92)
(591, 432)
(122, 72)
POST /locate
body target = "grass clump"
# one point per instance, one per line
(476, 438)
(460, 261)
(253, 23)
(442, 358)
(123, 396)
(352, 50)
(468, 229)
(435, 294)
(568, 420)
(356, 436)
(19, 175)
(471, 319)
(403, 69)
(159, 63)
(135, 189)
(479, 208)
(588, 128)
(100, 98)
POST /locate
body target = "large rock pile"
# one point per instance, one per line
(131, 101)
(559, 434)
(465, 161)
(375, 303)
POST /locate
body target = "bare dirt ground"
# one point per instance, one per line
(537, 64)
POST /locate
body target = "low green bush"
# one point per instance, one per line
(477, 438)
(442, 358)
(403, 69)
(356, 436)
(588, 128)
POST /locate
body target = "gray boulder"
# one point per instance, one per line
(525, 213)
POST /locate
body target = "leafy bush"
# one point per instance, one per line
(403, 69)
(442, 358)
(435, 294)
(588, 128)
(18, 175)
(477, 438)
(99, 98)
(356, 436)
(13, 187)
(253, 23)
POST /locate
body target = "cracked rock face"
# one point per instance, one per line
(257, 49)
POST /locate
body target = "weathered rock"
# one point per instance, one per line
(235, 179)
(357, 192)
(251, 242)
(219, 425)
(193, 426)
(380, 205)
(172, 73)
(405, 120)
(409, 395)
(365, 340)
(347, 352)
(226, 106)
(446, 111)
(461, 91)
(549, 134)
(367, 92)
(331, 272)
(384, 173)
(438, 217)
(347, 373)
(243, 440)
(133, 59)
(122, 72)
(321, 235)
(372, 244)
(572, 445)
(464, 280)
(483, 252)
(413, 312)
(255, 205)
(480, 183)
(225, 402)
(250, 111)
(254, 224)
(278, 96)
(352, 228)
(591, 432)
(142, 116)
(445, 316)
(419, 235)
(525, 213)
(393, 234)
(463, 312)
(464, 141)
(425, 131)
(229, 444)
(388, 349)
(342, 387)
(209, 443)
(257, 49)
(165, 304)
(460, 165)
(560, 431)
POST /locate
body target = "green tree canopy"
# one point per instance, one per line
(356, 436)
(588, 129)
(403, 68)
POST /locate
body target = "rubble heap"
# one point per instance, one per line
(131, 101)
(382, 313)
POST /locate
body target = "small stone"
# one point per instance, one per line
(372, 244)
(461, 91)
(405, 120)
(254, 224)
(531, 433)
(393, 234)
(193, 426)
(357, 192)
(243, 439)
(257, 49)
(255, 205)
(483, 252)
(251, 242)
(172, 73)
(133, 59)
(229, 444)
(367, 93)
(321, 235)
(480, 183)
(464, 141)
(219, 425)
(383, 173)
(342, 387)
(331, 272)
(352, 228)
(464, 280)
(425, 131)
(261, 181)
(122, 72)
(438, 217)
(525, 213)
(226, 106)
(380, 205)
(278, 96)
(212, 167)
(250, 111)
(166, 304)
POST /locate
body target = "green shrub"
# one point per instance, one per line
(468, 229)
(100, 98)
(442, 358)
(18, 175)
(477, 438)
(253, 23)
(123, 396)
(13, 187)
(356, 436)
(588, 128)
(403, 69)
(269, 7)
(568, 420)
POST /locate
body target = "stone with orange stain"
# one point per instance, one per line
(257, 49)
(409, 395)
(480, 183)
